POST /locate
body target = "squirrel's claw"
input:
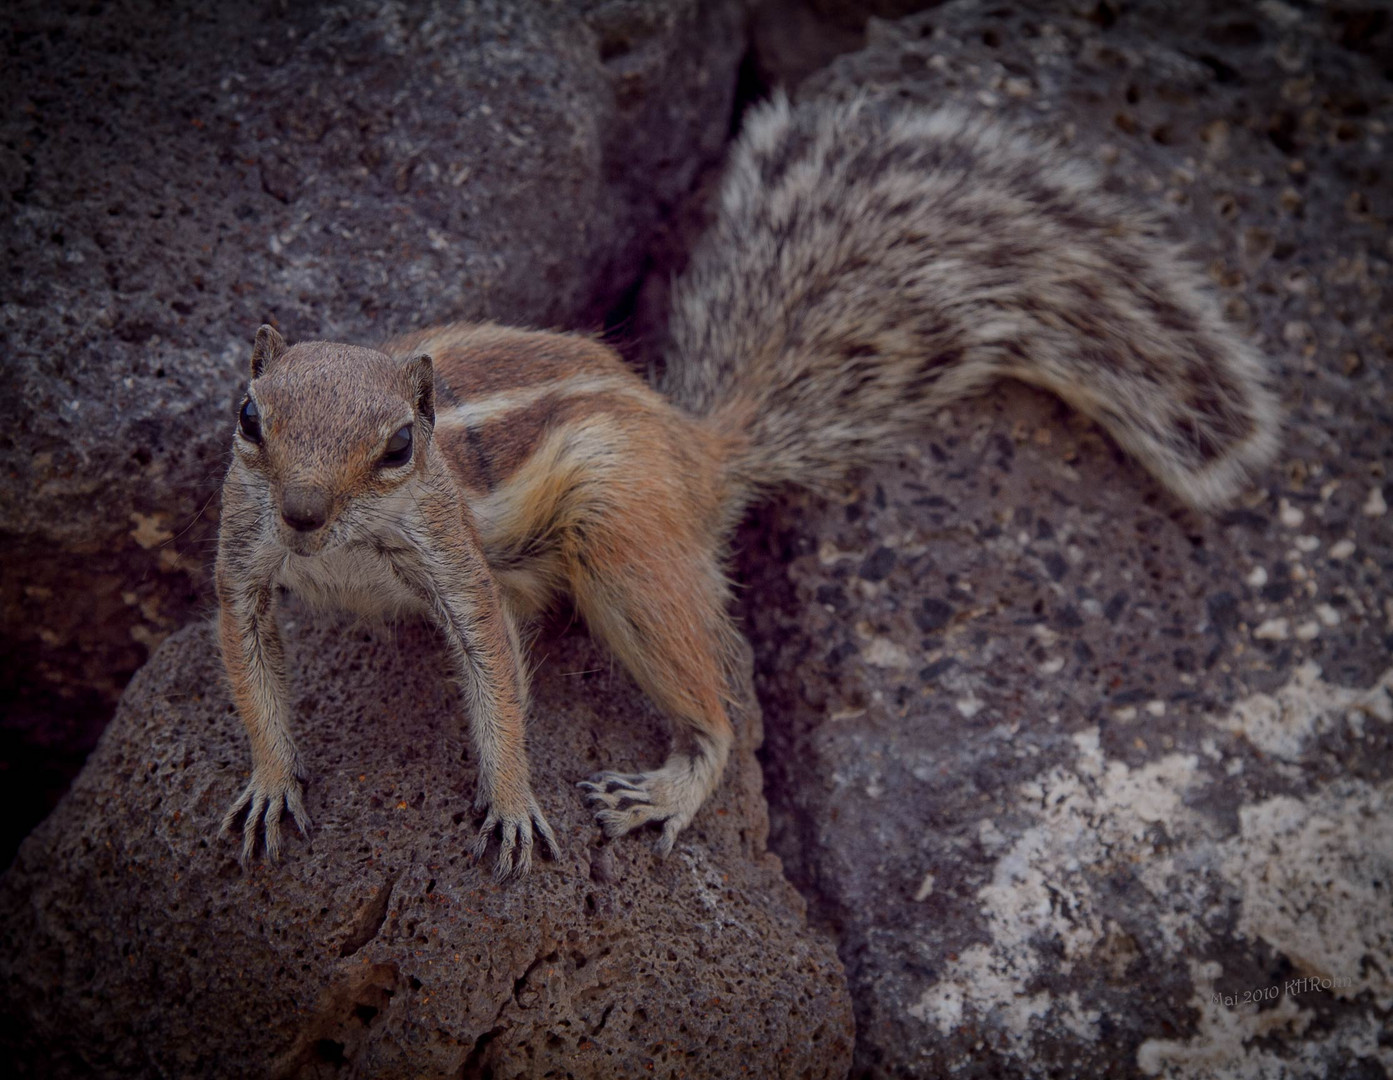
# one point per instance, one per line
(265, 802)
(515, 839)
(624, 801)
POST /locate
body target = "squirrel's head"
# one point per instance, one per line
(332, 430)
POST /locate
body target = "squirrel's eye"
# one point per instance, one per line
(398, 450)
(249, 422)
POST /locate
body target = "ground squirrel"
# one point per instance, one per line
(867, 265)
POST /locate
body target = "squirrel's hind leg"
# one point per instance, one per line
(662, 613)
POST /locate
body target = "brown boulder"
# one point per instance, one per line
(135, 945)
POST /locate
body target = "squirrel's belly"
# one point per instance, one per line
(353, 577)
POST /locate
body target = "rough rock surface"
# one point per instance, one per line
(174, 174)
(133, 945)
(1075, 774)
(792, 39)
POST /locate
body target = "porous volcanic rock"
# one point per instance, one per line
(1088, 784)
(134, 945)
(792, 39)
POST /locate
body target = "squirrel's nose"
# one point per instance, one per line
(305, 509)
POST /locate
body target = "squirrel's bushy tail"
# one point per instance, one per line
(869, 265)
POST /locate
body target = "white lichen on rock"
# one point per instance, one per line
(1308, 874)
(1314, 877)
(1282, 724)
(1095, 813)
(1221, 1045)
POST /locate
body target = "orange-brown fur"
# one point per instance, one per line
(619, 500)
(592, 485)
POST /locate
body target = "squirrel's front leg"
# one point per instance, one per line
(446, 568)
(251, 649)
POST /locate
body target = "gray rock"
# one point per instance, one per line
(133, 945)
(172, 176)
(792, 39)
(1078, 769)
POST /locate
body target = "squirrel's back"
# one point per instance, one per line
(868, 264)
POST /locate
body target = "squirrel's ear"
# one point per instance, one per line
(422, 374)
(268, 345)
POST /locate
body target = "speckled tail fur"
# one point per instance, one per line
(869, 265)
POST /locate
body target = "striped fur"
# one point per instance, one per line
(869, 265)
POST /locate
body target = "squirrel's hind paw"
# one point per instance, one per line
(672, 795)
(265, 801)
(515, 842)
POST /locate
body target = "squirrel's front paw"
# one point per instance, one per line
(266, 799)
(514, 827)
